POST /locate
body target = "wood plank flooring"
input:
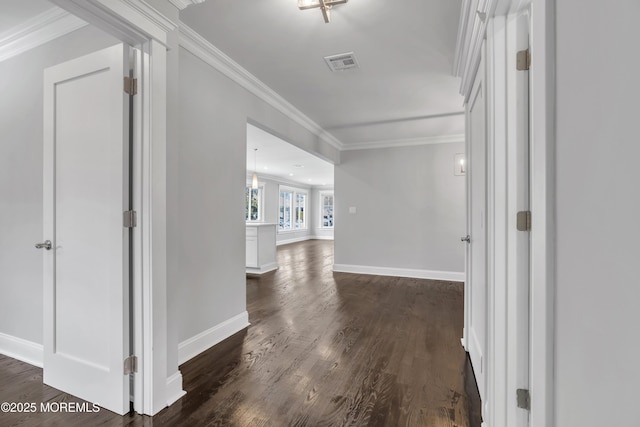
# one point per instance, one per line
(323, 349)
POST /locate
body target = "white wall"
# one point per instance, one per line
(21, 103)
(410, 209)
(211, 175)
(598, 201)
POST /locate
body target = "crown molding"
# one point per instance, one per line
(411, 142)
(132, 21)
(183, 4)
(203, 49)
(471, 32)
(474, 17)
(37, 31)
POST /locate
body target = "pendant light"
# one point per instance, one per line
(254, 180)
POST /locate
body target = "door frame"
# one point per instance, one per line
(473, 29)
(479, 89)
(141, 26)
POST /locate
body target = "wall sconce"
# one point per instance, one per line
(459, 165)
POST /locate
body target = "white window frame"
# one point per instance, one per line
(294, 195)
(261, 187)
(323, 194)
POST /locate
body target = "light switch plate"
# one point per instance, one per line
(353, 210)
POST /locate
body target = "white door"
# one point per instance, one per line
(86, 191)
(477, 287)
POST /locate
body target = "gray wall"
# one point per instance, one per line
(209, 283)
(410, 208)
(598, 201)
(21, 116)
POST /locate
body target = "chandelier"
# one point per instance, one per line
(324, 5)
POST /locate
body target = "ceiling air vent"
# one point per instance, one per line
(342, 61)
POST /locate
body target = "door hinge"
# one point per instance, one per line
(523, 60)
(130, 365)
(524, 399)
(523, 221)
(130, 85)
(129, 219)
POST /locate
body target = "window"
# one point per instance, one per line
(292, 206)
(326, 209)
(301, 201)
(253, 203)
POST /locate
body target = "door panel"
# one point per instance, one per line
(86, 183)
(478, 231)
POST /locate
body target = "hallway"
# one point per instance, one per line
(323, 349)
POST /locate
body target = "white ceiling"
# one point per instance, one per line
(278, 158)
(15, 12)
(403, 90)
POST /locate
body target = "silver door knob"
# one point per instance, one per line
(46, 245)
(466, 238)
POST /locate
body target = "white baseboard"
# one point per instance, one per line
(450, 276)
(18, 348)
(322, 238)
(264, 269)
(302, 239)
(294, 240)
(195, 345)
(174, 388)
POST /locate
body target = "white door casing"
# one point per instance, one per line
(477, 287)
(86, 184)
(518, 194)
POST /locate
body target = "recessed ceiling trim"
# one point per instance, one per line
(393, 143)
(40, 29)
(203, 49)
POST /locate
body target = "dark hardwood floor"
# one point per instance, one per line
(323, 349)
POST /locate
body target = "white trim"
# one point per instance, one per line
(323, 237)
(294, 240)
(207, 52)
(132, 21)
(23, 350)
(394, 143)
(174, 388)
(543, 185)
(264, 269)
(304, 239)
(471, 33)
(450, 276)
(496, 352)
(183, 4)
(37, 31)
(195, 345)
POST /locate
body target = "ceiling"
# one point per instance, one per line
(278, 158)
(404, 89)
(16, 12)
